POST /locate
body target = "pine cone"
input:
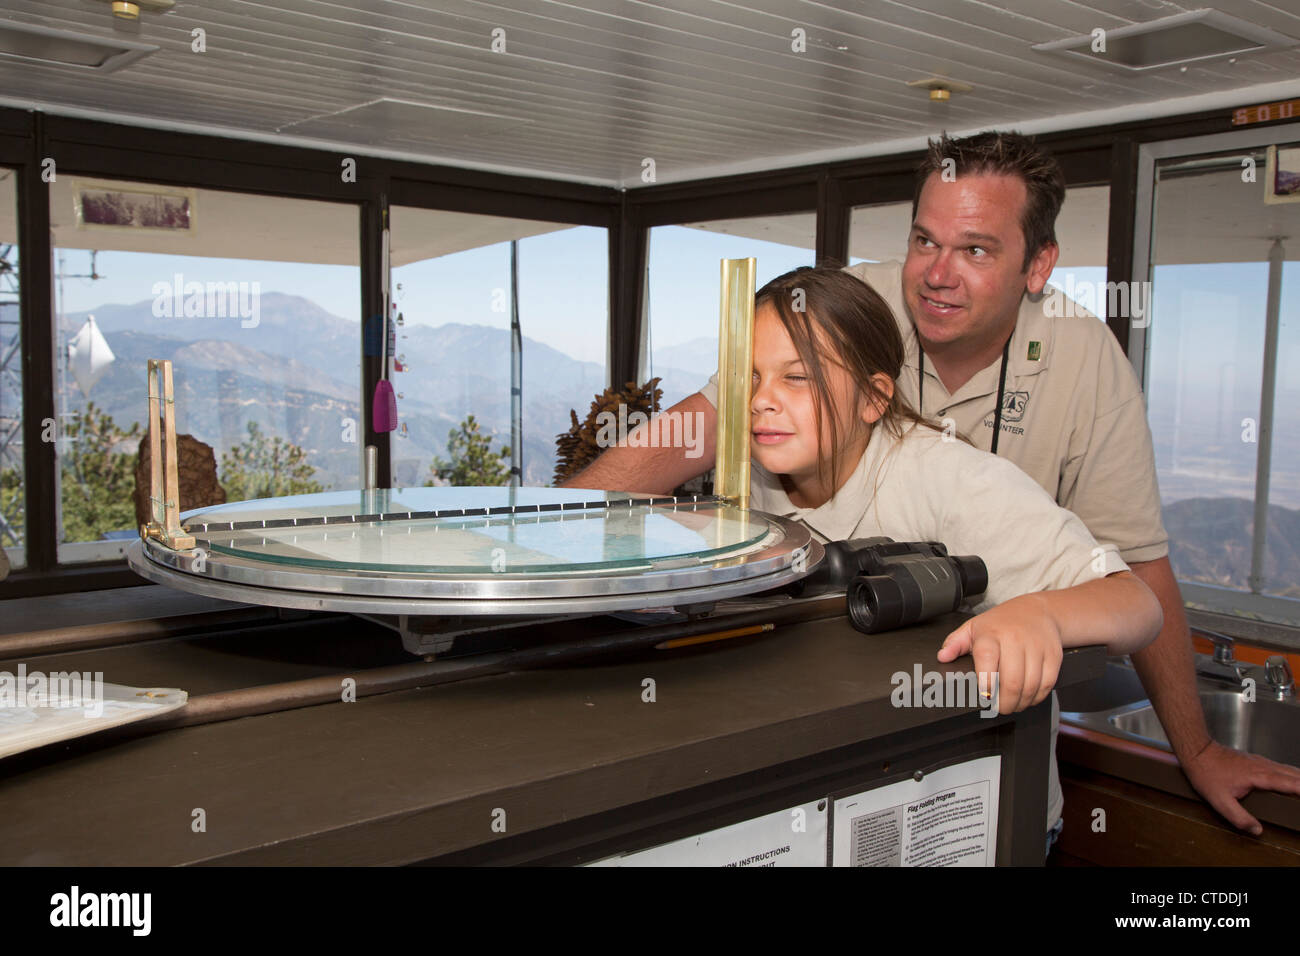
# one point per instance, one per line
(578, 447)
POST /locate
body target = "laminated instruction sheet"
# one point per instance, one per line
(793, 837)
(947, 818)
(38, 708)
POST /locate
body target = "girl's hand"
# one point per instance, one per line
(1019, 642)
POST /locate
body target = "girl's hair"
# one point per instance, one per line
(859, 329)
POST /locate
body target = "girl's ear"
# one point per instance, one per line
(875, 405)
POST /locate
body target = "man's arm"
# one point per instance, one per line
(1221, 775)
(685, 437)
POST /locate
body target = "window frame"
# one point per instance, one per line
(1214, 598)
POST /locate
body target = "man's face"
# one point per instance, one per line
(962, 279)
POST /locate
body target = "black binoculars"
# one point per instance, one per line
(890, 584)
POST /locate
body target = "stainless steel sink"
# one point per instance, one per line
(1116, 704)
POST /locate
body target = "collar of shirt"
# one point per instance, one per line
(836, 519)
(1033, 325)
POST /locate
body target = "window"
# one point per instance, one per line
(451, 285)
(255, 300)
(13, 523)
(1081, 235)
(1212, 384)
(879, 233)
(683, 293)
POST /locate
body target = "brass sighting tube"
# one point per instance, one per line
(735, 373)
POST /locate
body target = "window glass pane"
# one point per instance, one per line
(879, 233)
(1081, 234)
(684, 293)
(13, 499)
(1205, 360)
(254, 299)
(452, 287)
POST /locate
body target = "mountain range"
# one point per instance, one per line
(303, 386)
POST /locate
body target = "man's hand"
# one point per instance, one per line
(1223, 776)
(1020, 642)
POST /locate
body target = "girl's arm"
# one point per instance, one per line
(1022, 640)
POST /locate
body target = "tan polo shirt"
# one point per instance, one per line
(925, 487)
(1073, 418)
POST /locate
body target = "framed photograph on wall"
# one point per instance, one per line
(108, 206)
(1282, 178)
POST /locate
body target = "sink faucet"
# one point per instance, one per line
(1277, 675)
(1223, 664)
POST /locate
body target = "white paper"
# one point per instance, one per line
(794, 837)
(948, 818)
(36, 710)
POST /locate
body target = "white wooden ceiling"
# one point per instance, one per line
(588, 89)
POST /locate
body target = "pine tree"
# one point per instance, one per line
(98, 472)
(266, 467)
(472, 461)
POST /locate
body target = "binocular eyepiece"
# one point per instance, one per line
(891, 584)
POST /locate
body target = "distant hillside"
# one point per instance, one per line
(297, 374)
(1210, 542)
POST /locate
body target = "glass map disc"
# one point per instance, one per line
(477, 550)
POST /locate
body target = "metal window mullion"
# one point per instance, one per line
(1267, 389)
(36, 317)
(516, 374)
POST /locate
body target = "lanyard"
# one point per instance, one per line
(1002, 385)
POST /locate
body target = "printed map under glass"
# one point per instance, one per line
(520, 542)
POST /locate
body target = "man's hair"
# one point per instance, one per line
(1007, 154)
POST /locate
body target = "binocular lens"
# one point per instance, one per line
(876, 603)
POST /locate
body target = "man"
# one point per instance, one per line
(1056, 396)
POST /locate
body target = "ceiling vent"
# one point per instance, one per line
(32, 44)
(1170, 41)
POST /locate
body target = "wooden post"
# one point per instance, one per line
(164, 478)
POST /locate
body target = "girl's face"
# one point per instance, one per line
(785, 438)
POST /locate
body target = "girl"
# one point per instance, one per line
(834, 446)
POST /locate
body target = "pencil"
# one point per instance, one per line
(715, 636)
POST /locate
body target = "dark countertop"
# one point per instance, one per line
(412, 775)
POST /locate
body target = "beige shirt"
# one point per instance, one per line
(1073, 418)
(925, 487)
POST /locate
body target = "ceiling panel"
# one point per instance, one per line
(586, 90)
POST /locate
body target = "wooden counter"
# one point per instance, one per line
(582, 766)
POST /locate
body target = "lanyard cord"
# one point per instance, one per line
(1002, 386)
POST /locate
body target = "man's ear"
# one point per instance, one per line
(1041, 266)
(874, 406)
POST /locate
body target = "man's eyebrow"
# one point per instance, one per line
(980, 237)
